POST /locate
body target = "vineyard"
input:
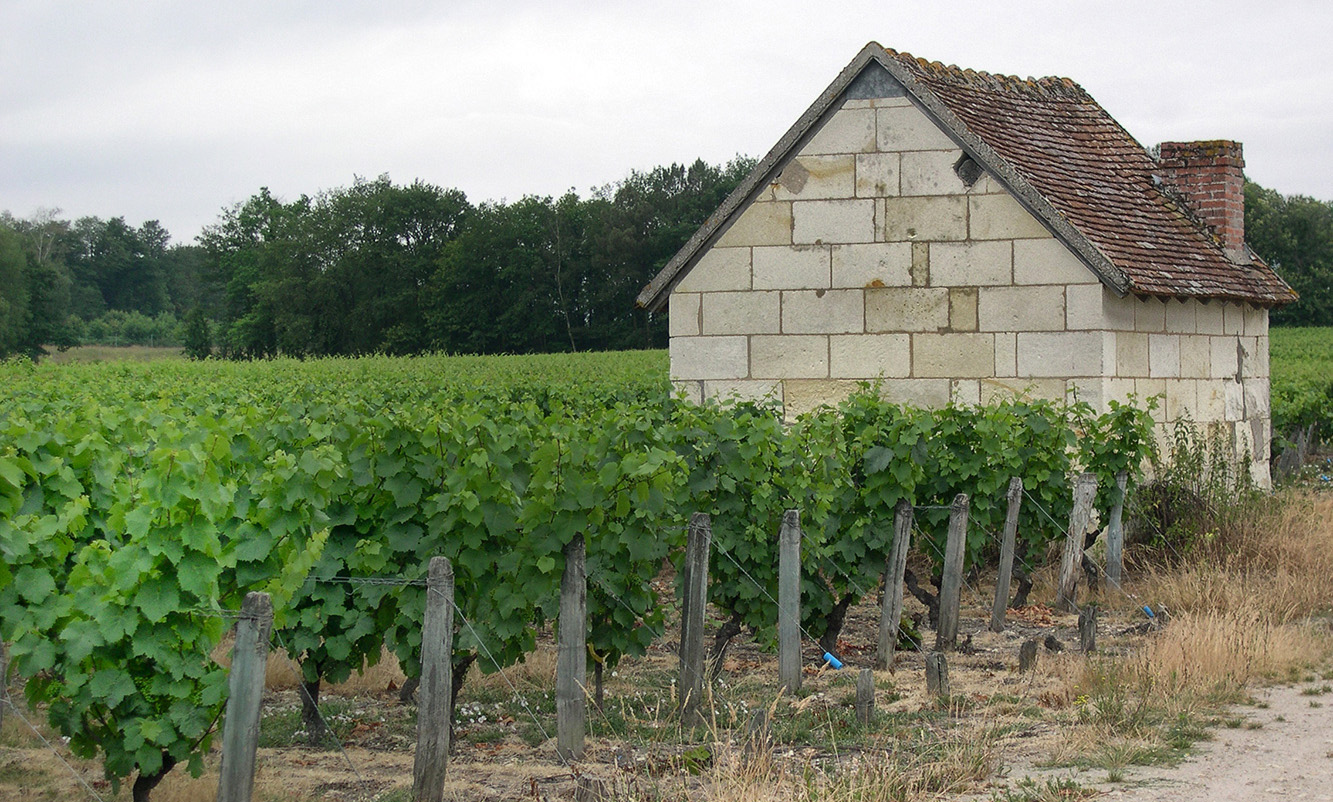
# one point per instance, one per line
(139, 504)
(1302, 383)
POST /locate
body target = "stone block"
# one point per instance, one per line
(1253, 360)
(792, 268)
(870, 356)
(1164, 356)
(875, 264)
(744, 390)
(1153, 388)
(1048, 261)
(815, 177)
(1261, 436)
(1233, 318)
(1037, 308)
(718, 270)
(1256, 322)
(971, 264)
(709, 357)
(953, 356)
(849, 130)
(924, 219)
(1181, 399)
(1212, 401)
(920, 264)
(683, 314)
(1061, 354)
(965, 392)
(1209, 318)
(1090, 390)
(1006, 354)
(788, 356)
(876, 175)
(1233, 401)
(907, 309)
(823, 311)
(1196, 357)
(800, 396)
(1180, 316)
(762, 223)
(916, 392)
(1257, 399)
(1224, 363)
(1025, 388)
(1083, 307)
(908, 128)
(1118, 312)
(1002, 217)
(753, 312)
(963, 309)
(1131, 354)
(833, 221)
(930, 172)
(1150, 315)
(691, 391)
(1119, 390)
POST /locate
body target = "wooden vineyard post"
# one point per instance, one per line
(951, 585)
(571, 668)
(1027, 656)
(997, 612)
(4, 680)
(691, 681)
(1115, 534)
(245, 684)
(789, 602)
(1085, 492)
(937, 675)
(865, 696)
(437, 647)
(891, 608)
(1087, 629)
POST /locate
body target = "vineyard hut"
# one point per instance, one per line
(962, 235)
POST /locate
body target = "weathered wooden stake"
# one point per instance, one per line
(1027, 656)
(431, 760)
(865, 696)
(1087, 629)
(891, 607)
(1001, 605)
(571, 667)
(4, 680)
(1115, 534)
(937, 675)
(695, 575)
(951, 585)
(240, 734)
(1085, 492)
(789, 602)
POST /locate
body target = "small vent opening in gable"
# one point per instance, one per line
(968, 170)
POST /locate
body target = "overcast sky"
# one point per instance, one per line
(173, 109)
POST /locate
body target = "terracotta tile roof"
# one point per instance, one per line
(1098, 178)
(1061, 155)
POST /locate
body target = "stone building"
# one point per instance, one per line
(961, 235)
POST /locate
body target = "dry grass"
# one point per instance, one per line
(1274, 561)
(914, 772)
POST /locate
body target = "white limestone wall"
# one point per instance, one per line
(869, 258)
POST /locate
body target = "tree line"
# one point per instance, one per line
(379, 267)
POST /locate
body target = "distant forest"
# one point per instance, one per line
(379, 267)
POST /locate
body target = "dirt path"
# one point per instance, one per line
(1284, 750)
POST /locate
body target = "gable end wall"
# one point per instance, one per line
(868, 258)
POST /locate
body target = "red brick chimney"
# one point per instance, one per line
(1211, 177)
